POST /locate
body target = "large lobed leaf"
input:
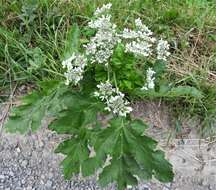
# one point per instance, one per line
(81, 112)
(79, 120)
(34, 106)
(134, 155)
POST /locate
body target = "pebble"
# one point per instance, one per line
(166, 188)
(2, 177)
(18, 150)
(49, 183)
(28, 188)
(24, 163)
(11, 173)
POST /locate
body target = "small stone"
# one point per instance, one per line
(1, 148)
(29, 188)
(11, 174)
(28, 172)
(200, 182)
(24, 163)
(19, 184)
(41, 182)
(27, 153)
(50, 175)
(167, 186)
(146, 187)
(2, 177)
(183, 160)
(50, 135)
(205, 182)
(49, 183)
(18, 150)
(40, 144)
(23, 181)
(19, 188)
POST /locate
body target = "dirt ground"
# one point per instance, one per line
(28, 162)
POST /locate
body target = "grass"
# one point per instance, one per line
(32, 36)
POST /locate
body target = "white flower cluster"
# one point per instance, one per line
(114, 99)
(102, 23)
(105, 90)
(141, 40)
(74, 66)
(100, 48)
(150, 79)
(103, 9)
(163, 50)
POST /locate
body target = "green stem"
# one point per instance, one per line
(115, 81)
(108, 72)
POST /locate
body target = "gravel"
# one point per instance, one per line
(25, 165)
(28, 163)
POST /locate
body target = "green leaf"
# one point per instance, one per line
(79, 119)
(81, 111)
(159, 67)
(168, 92)
(117, 171)
(123, 65)
(100, 73)
(47, 86)
(36, 60)
(185, 91)
(33, 108)
(133, 154)
(88, 83)
(76, 152)
(139, 126)
(124, 140)
(73, 41)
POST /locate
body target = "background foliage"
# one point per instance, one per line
(33, 35)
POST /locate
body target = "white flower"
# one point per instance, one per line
(100, 48)
(107, 161)
(129, 34)
(138, 23)
(92, 152)
(163, 50)
(105, 90)
(103, 9)
(102, 22)
(150, 84)
(138, 47)
(67, 63)
(113, 98)
(142, 27)
(118, 105)
(74, 66)
(140, 40)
